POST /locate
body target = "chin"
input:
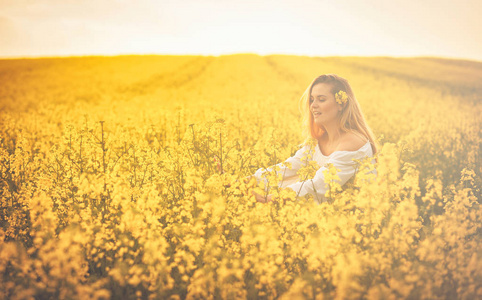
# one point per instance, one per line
(319, 123)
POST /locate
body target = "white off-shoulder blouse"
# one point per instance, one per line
(342, 160)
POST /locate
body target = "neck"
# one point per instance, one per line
(332, 132)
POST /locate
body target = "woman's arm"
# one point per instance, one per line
(285, 171)
(317, 186)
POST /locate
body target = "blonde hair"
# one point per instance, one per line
(352, 118)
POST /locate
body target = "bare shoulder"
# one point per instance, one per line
(351, 142)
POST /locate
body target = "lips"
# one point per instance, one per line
(316, 113)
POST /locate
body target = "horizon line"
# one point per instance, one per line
(20, 57)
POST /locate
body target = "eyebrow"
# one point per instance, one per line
(319, 96)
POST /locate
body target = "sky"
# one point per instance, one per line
(400, 28)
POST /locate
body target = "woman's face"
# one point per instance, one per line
(323, 106)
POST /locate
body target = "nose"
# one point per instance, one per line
(313, 105)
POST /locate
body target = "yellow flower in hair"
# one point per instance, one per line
(341, 97)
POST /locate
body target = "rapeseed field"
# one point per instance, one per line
(124, 178)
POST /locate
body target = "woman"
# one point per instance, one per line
(336, 124)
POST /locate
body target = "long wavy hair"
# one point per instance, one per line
(352, 118)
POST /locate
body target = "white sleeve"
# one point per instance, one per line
(285, 171)
(317, 186)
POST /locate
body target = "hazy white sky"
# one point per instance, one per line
(213, 27)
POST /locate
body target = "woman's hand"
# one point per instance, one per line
(262, 199)
(247, 179)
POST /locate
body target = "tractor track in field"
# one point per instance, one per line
(446, 86)
(186, 73)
